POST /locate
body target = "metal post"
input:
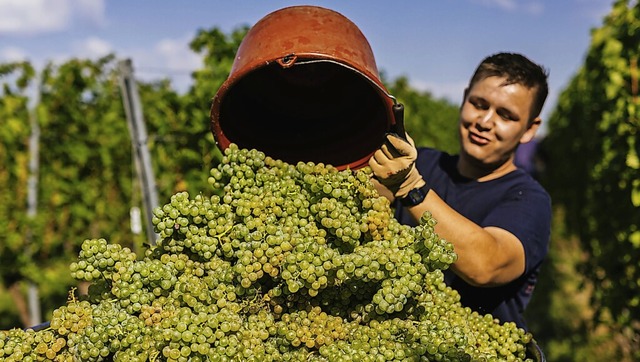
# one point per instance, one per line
(138, 132)
(33, 298)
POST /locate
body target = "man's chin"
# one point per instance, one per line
(480, 161)
(474, 152)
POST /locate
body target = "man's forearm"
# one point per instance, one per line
(486, 256)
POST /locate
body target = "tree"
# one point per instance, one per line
(430, 122)
(593, 171)
(86, 176)
(14, 157)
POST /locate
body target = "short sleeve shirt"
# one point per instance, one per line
(514, 202)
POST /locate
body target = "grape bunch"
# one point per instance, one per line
(280, 262)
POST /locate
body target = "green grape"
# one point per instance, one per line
(283, 263)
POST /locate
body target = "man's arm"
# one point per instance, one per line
(488, 256)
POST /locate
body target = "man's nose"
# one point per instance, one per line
(485, 119)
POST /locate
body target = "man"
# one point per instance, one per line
(495, 214)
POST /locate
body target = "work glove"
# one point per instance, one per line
(397, 173)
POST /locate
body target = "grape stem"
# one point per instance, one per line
(226, 231)
(72, 295)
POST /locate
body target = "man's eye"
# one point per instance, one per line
(478, 105)
(506, 116)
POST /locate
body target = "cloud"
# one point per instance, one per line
(168, 58)
(532, 6)
(502, 4)
(93, 11)
(92, 48)
(43, 16)
(177, 55)
(12, 54)
(450, 91)
(594, 10)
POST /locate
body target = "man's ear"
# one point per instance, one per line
(530, 133)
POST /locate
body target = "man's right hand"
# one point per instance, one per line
(398, 174)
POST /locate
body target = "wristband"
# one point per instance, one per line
(415, 196)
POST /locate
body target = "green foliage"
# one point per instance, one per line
(430, 122)
(185, 144)
(218, 51)
(594, 172)
(87, 181)
(85, 171)
(14, 158)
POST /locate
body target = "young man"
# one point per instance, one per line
(496, 216)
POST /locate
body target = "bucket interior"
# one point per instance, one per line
(318, 112)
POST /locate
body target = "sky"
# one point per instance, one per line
(436, 44)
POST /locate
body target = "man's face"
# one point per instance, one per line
(494, 119)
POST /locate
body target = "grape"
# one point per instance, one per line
(281, 263)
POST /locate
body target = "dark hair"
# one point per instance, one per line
(516, 68)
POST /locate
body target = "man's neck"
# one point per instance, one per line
(483, 172)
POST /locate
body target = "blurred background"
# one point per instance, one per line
(68, 169)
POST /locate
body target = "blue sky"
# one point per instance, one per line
(435, 43)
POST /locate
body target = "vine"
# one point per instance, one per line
(594, 171)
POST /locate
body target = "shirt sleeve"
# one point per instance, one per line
(526, 213)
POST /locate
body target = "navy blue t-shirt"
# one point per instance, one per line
(514, 202)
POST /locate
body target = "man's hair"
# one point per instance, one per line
(517, 69)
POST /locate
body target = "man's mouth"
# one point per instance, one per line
(477, 139)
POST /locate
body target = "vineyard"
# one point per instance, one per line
(68, 200)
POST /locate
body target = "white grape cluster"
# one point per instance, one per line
(281, 263)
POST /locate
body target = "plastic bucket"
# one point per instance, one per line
(535, 352)
(304, 86)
